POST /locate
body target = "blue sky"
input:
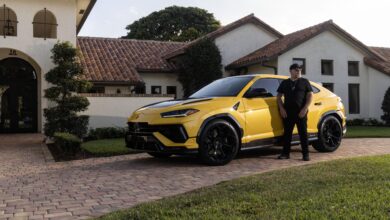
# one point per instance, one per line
(368, 21)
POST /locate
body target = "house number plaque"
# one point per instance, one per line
(12, 53)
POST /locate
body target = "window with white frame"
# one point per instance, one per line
(156, 90)
(327, 67)
(354, 98)
(353, 68)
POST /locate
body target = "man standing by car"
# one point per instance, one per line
(298, 95)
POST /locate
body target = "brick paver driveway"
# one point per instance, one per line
(31, 188)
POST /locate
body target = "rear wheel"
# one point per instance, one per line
(159, 154)
(219, 143)
(329, 135)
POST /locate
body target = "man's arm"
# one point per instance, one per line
(309, 98)
(282, 111)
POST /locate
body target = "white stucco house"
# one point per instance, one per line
(29, 30)
(360, 75)
(127, 74)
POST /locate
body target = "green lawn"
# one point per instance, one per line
(343, 189)
(367, 131)
(106, 147)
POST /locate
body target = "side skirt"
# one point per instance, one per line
(276, 141)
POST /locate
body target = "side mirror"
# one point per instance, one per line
(257, 93)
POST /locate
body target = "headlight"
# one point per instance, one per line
(179, 113)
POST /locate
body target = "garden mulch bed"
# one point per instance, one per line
(59, 156)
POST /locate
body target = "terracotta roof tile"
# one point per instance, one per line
(286, 43)
(225, 29)
(281, 45)
(380, 65)
(384, 51)
(120, 60)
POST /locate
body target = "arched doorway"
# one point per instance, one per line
(18, 96)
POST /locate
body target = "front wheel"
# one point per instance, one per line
(218, 143)
(330, 134)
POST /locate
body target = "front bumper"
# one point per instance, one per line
(159, 138)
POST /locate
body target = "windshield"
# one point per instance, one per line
(230, 86)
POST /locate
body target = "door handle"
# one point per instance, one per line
(318, 103)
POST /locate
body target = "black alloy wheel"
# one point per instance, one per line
(329, 135)
(219, 143)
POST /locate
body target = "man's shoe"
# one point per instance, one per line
(284, 157)
(306, 158)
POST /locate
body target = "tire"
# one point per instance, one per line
(330, 134)
(218, 143)
(159, 154)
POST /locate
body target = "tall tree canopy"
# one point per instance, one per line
(173, 24)
(386, 107)
(201, 65)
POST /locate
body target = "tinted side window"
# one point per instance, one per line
(229, 86)
(271, 85)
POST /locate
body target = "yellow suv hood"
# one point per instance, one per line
(171, 105)
(202, 104)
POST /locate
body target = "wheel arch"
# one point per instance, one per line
(329, 113)
(224, 116)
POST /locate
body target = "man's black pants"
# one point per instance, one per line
(289, 123)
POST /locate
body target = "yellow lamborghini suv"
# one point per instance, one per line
(231, 114)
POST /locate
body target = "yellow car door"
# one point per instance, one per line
(261, 112)
(317, 106)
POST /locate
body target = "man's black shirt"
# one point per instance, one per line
(295, 92)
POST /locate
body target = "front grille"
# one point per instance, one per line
(175, 133)
(151, 144)
(145, 143)
(141, 127)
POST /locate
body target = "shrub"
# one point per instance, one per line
(355, 122)
(106, 133)
(373, 122)
(68, 143)
(364, 122)
(65, 80)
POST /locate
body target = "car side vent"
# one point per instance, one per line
(235, 107)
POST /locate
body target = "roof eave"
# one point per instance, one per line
(268, 27)
(330, 27)
(261, 60)
(86, 14)
(157, 70)
(117, 83)
(377, 67)
(357, 43)
(228, 28)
